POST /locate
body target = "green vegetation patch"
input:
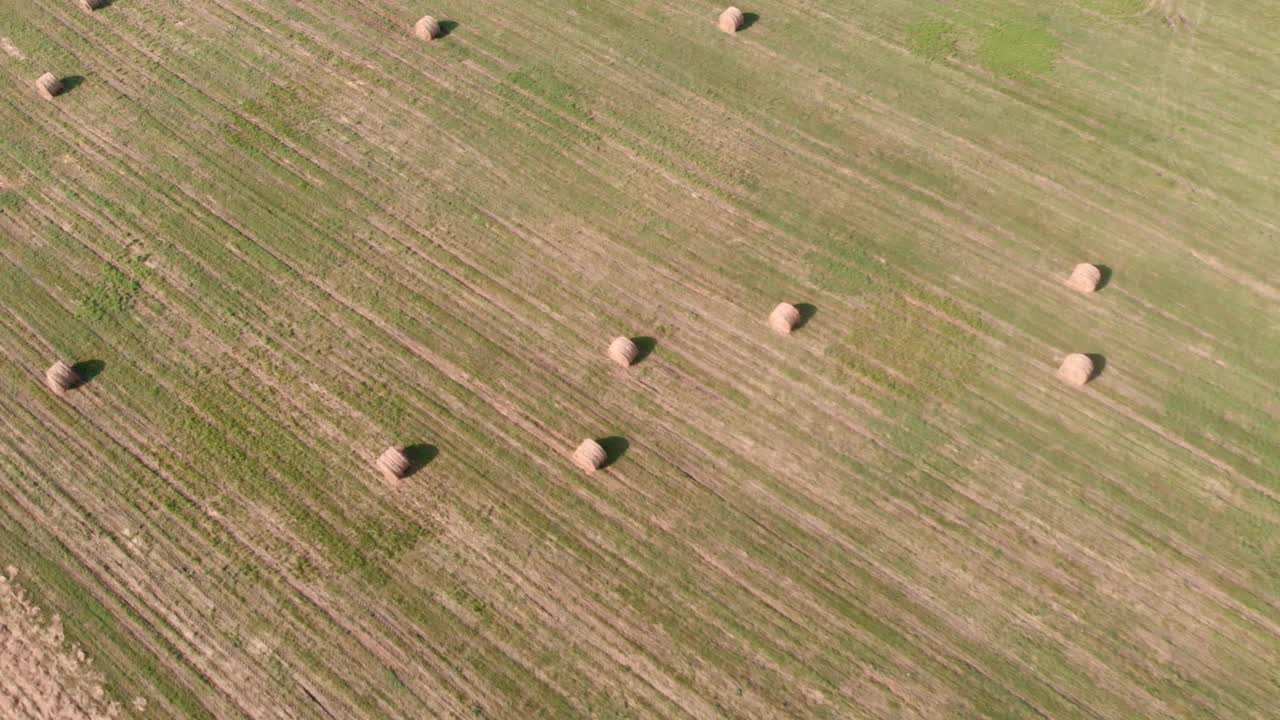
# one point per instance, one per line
(1242, 437)
(885, 348)
(900, 316)
(9, 200)
(847, 266)
(547, 96)
(932, 40)
(1020, 48)
(545, 84)
(109, 296)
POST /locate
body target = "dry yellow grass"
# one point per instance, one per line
(40, 677)
(341, 239)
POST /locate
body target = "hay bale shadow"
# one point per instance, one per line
(1099, 364)
(807, 311)
(86, 371)
(614, 448)
(1105, 275)
(644, 348)
(446, 27)
(748, 19)
(71, 82)
(420, 455)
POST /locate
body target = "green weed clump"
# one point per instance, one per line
(545, 84)
(109, 296)
(932, 40)
(1020, 48)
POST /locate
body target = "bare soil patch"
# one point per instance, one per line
(41, 676)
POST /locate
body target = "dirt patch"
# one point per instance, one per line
(1170, 11)
(12, 50)
(40, 676)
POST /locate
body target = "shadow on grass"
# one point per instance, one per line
(807, 312)
(748, 19)
(614, 448)
(71, 82)
(420, 456)
(644, 346)
(1099, 364)
(86, 371)
(446, 27)
(1105, 272)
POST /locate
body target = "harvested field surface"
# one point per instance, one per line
(276, 238)
(39, 677)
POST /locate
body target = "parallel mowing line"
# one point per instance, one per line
(108, 580)
(196, 504)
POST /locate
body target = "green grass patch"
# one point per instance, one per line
(553, 101)
(1020, 48)
(110, 295)
(933, 40)
(9, 201)
(894, 325)
(545, 84)
(847, 265)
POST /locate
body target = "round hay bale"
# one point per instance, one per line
(91, 5)
(784, 318)
(49, 86)
(60, 377)
(393, 463)
(589, 456)
(623, 351)
(1076, 369)
(731, 20)
(1085, 278)
(427, 28)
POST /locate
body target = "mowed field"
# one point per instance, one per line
(281, 236)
